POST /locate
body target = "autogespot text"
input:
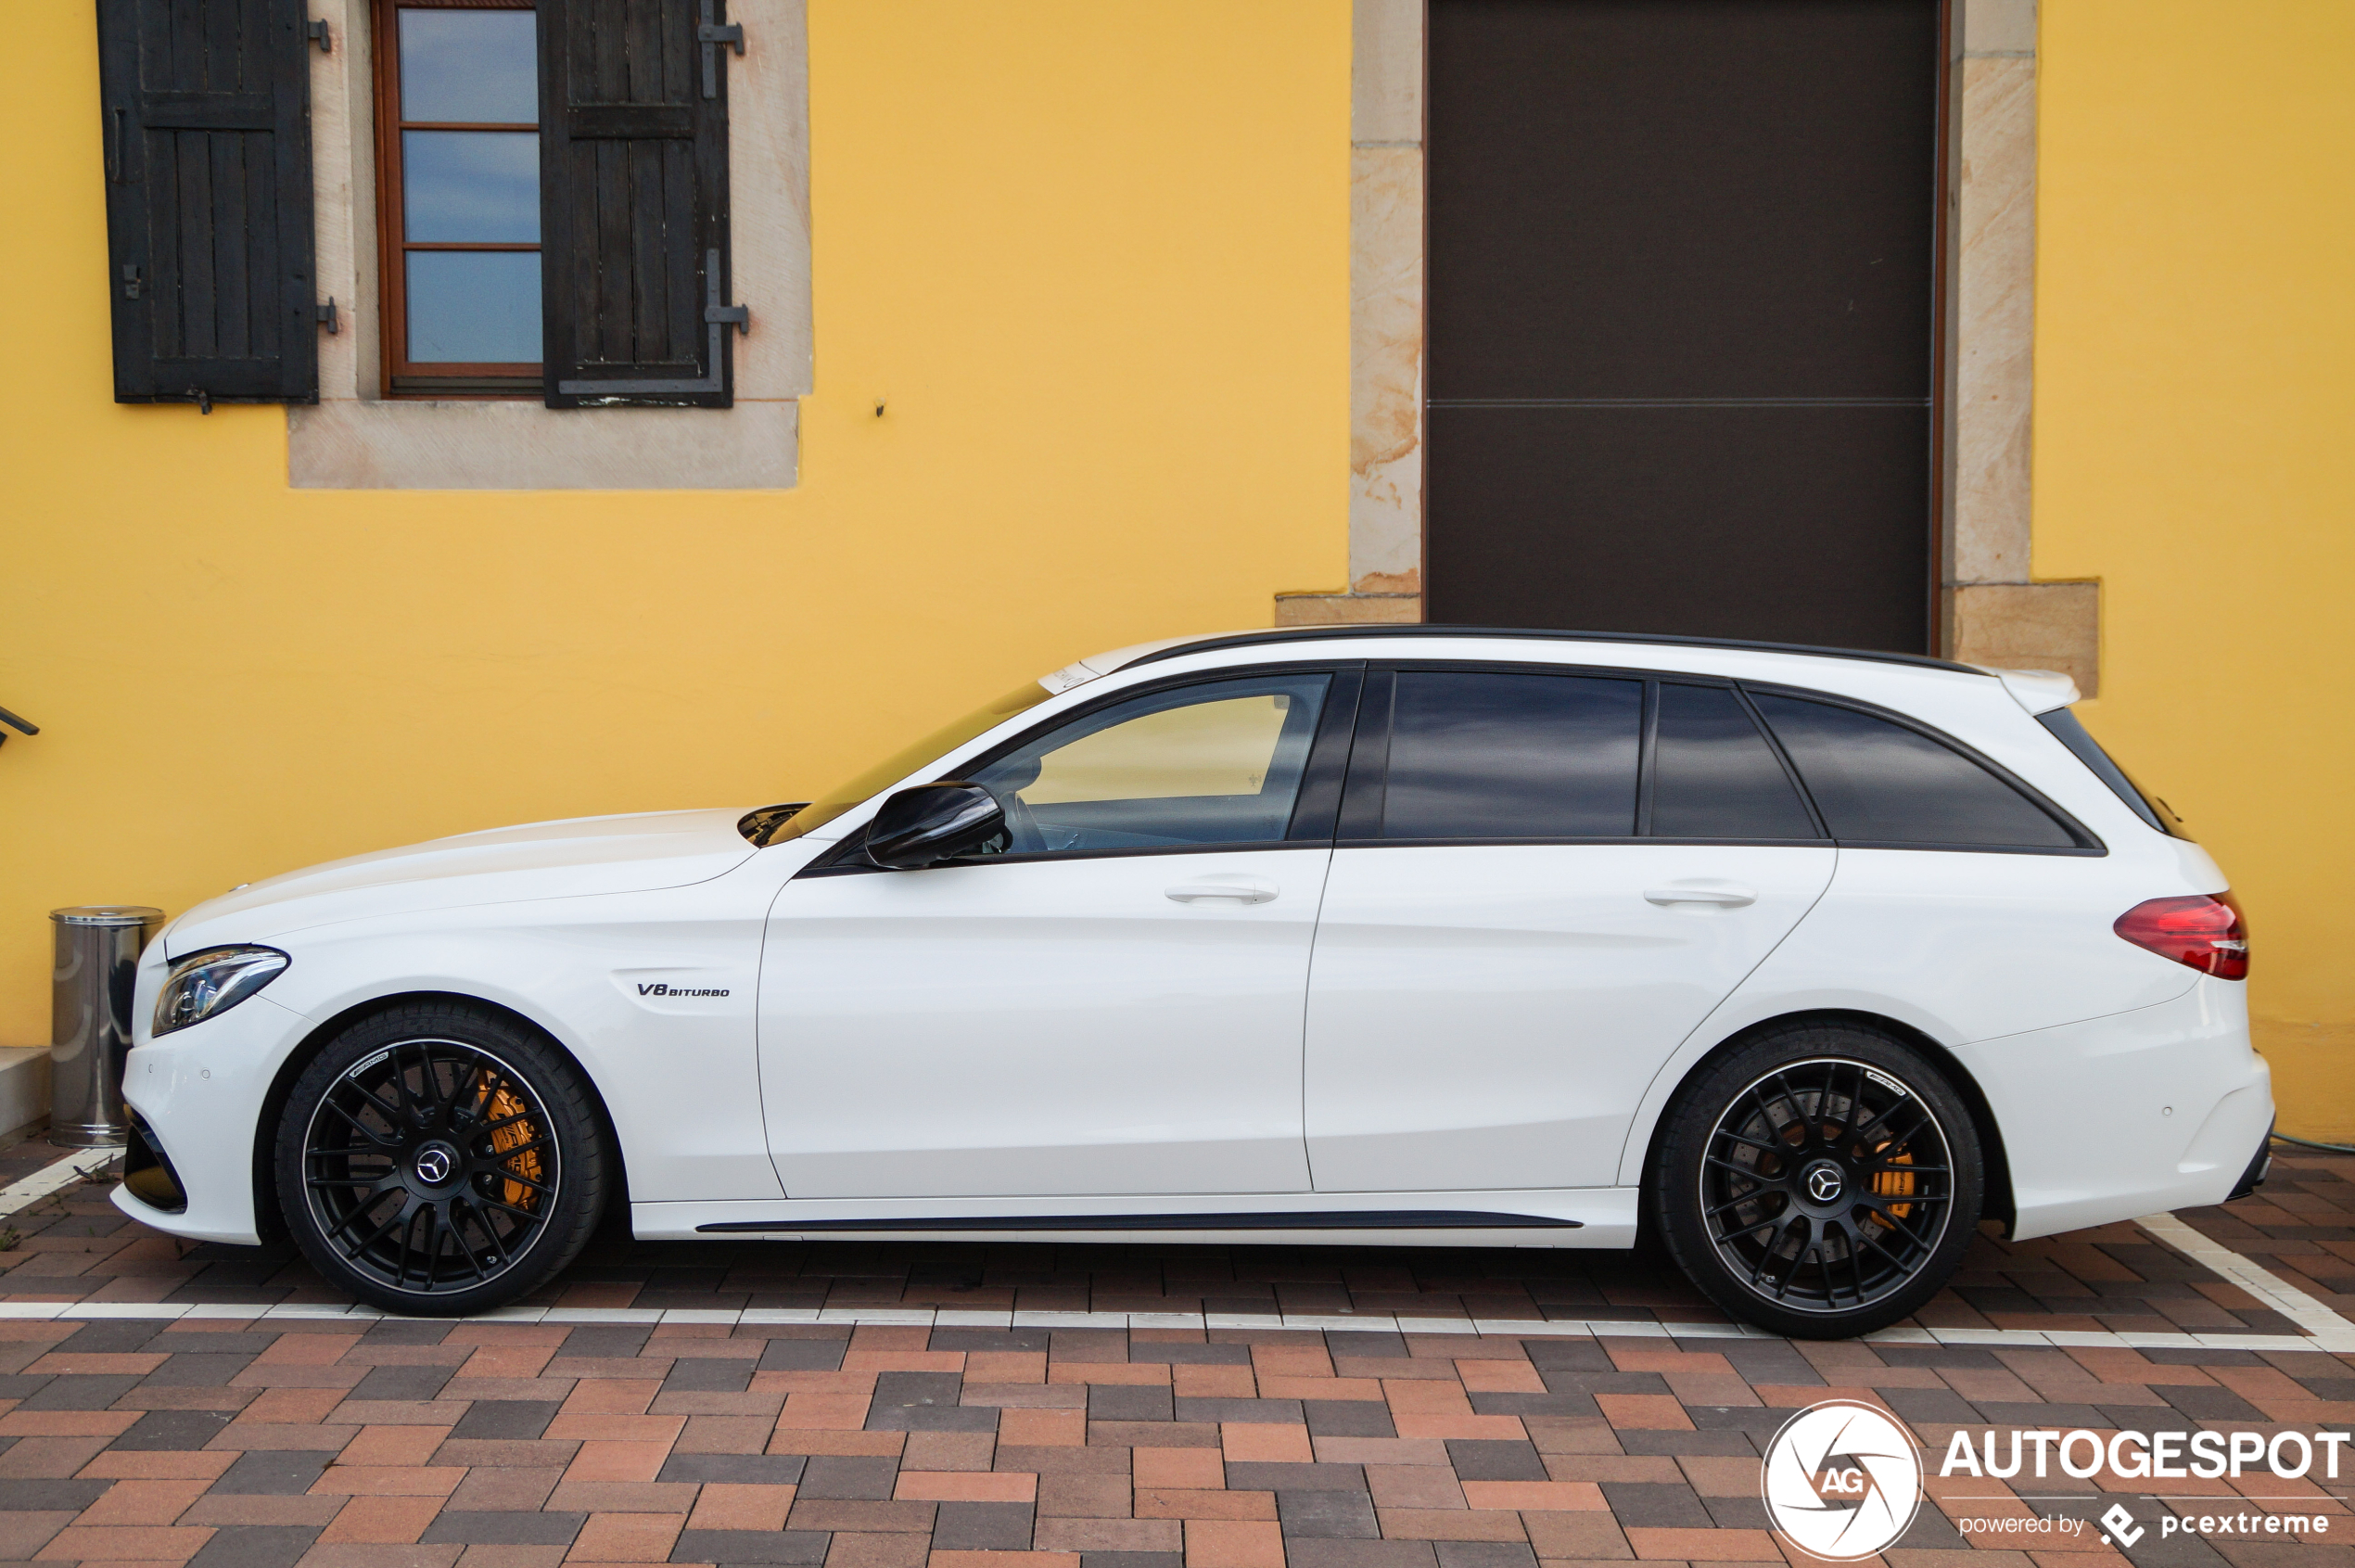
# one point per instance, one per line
(2157, 1456)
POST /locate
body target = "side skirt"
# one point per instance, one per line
(1568, 1216)
(1332, 1219)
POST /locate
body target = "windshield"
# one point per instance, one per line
(901, 764)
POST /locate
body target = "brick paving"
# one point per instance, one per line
(229, 1440)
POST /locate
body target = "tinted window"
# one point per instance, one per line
(1492, 755)
(1880, 782)
(2073, 734)
(1714, 776)
(1211, 764)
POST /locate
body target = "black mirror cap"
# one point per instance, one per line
(931, 823)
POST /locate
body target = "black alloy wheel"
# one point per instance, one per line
(1820, 1181)
(440, 1159)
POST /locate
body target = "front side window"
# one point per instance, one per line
(458, 161)
(1880, 782)
(1475, 754)
(1213, 764)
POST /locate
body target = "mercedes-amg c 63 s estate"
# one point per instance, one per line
(1804, 963)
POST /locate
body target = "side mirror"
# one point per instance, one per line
(933, 821)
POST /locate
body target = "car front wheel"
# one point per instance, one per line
(1819, 1181)
(438, 1158)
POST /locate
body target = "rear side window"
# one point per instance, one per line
(1714, 776)
(1880, 782)
(1475, 754)
(2072, 734)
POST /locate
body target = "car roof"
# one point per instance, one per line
(1176, 647)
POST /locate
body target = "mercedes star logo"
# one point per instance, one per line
(1822, 1183)
(433, 1166)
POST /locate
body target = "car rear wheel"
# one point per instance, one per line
(1819, 1181)
(438, 1158)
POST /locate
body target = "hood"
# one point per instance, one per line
(581, 856)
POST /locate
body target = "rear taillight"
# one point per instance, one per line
(2207, 932)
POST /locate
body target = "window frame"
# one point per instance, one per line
(399, 377)
(1315, 809)
(1363, 799)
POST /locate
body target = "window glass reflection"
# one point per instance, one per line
(474, 307)
(469, 68)
(471, 186)
(1713, 775)
(1498, 755)
(1880, 782)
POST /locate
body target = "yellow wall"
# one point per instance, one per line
(1093, 252)
(2195, 451)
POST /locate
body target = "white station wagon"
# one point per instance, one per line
(1803, 962)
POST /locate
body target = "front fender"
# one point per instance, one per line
(652, 993)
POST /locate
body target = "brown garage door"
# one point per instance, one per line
(1681, 313)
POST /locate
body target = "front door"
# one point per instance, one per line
(1109, 1005)
(1682, 316)
(1558, 878)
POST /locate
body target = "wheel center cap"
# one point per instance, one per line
(434, 1163)
(1823, 1181)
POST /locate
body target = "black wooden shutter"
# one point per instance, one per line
(633, 195)
(207, 106)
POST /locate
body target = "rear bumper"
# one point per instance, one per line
(2261, 1164)
(2134, 1113)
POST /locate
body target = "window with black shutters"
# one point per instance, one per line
(1478, 754)
(1880, 782)
(458, 188)
(553, 193)
(1713, 775)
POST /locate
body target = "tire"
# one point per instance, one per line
(453, 1199)
(1821, 1180)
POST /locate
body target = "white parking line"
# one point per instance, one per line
(2331, 1332)
(2328, 1330)
(946, 1318)
(51, 1177)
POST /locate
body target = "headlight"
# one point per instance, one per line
(206, 983)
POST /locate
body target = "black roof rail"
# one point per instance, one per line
(1418, 628)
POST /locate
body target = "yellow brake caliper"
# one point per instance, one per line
(514, 1136)
(1895, 1184)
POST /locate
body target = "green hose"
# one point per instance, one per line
(2309, 1143)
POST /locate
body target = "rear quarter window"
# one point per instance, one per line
(1876, 782)
(2071, 732)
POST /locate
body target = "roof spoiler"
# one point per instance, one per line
(2038, 691)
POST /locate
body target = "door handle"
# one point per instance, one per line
(1231, 889)
(1724, 894)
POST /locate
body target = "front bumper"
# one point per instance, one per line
(199, 1093)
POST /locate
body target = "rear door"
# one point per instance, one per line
(1544, 880)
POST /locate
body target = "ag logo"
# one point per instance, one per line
(1842, 1480)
